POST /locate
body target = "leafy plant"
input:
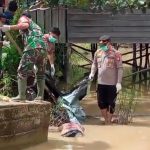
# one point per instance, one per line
(76, 71)
(14, 33)
(58, 115)
(10, 60)
(23, 3)
(60, 57)
(126, 105)
(101, 4)
(6, 85)
(117, 4)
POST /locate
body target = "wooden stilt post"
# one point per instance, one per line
(134, 67)
(115, 45)
(146, 61)
(140, 63)
(93, 48)
(148, 65)
(68, 64)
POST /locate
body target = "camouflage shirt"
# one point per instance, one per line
(33, 36)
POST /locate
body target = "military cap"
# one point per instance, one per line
(105, 38)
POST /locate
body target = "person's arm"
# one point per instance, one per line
(20, 26)
(51, 52)
(23, 23)
(120, 75)
(119, 71)
(51, 58)
(119, 67)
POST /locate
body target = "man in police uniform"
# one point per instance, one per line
(108, 62)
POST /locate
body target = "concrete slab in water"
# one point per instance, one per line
(23, 124)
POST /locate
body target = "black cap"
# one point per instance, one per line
(27, 14)
(2, 15)
(105, 38)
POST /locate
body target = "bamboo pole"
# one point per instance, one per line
(13, 42)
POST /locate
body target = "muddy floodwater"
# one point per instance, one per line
(134, 136)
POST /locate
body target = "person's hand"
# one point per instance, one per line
(91, 77)
(52, 70)
(6, 43)
(118, 87)
(5, 28)
(35, 69)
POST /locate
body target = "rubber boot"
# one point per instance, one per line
(40, 89)
(22, 85)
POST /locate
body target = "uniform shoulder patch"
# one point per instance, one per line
(118, 55)
(98, 53)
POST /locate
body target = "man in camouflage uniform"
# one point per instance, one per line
(108, 62)
(34, 54)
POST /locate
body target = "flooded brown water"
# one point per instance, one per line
(134, 136)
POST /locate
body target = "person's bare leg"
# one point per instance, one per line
(104, 114)
(109, 116)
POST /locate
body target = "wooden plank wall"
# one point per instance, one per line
(85, 27)
(51, 17)
(1, 38)
(1, 9)
(124, 28)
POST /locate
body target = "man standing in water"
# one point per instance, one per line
(34, 54)
(108, 62)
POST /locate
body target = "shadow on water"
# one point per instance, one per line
(55, 144)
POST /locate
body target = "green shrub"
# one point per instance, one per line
(77, 72)
(126, 103)
(10, 60)
(6, 84)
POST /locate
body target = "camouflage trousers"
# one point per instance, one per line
(30, 58)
